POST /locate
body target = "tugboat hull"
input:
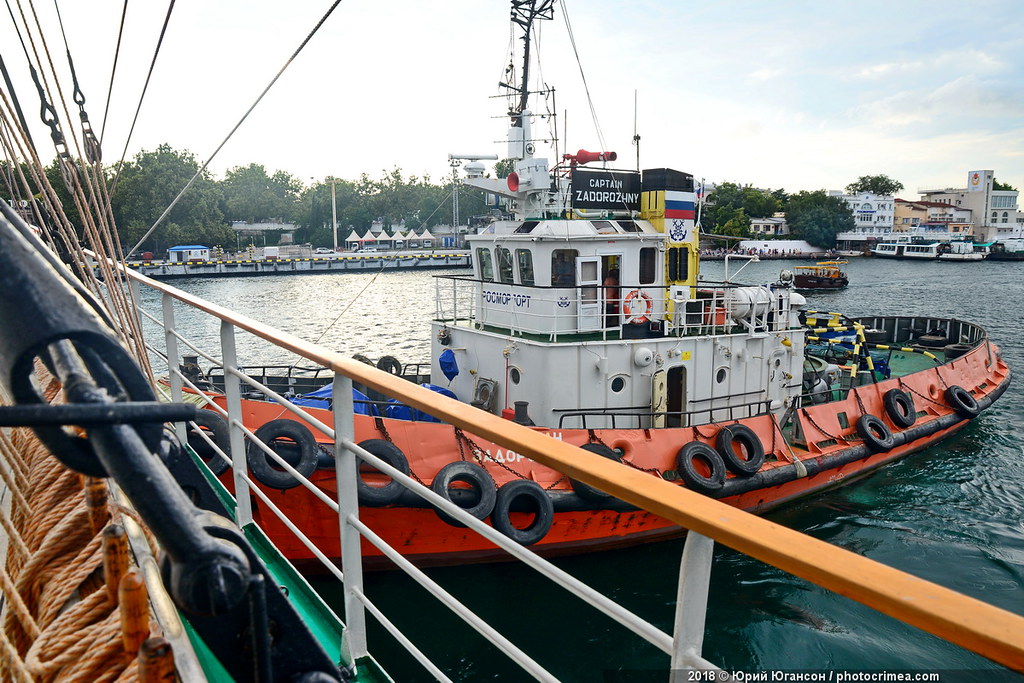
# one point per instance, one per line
(825, 445)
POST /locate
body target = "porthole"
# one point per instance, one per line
(514, 375)
(618, 384)
(778, 362)
(721, 375)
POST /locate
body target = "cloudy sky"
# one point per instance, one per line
(798, 95)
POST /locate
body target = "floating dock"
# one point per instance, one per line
(296, 266)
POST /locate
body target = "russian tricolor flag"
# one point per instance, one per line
(679, 205)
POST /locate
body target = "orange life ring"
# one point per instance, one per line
(637, 306)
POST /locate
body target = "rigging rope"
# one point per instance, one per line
(586, 88)
(142, 96)
(87, 187)
(202, 169)
(113, 70)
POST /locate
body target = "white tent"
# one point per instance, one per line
(426, 239)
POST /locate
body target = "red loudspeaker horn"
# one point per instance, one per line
(585, 157)
(513, 181)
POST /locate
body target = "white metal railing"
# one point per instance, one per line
(346, 507)
(553, 312)
(919, 603)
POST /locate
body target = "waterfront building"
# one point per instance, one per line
(910, 215)
(776, 225)
(872, 213)
(996, 213)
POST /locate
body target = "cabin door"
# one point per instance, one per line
(675, 397)
(588, 276)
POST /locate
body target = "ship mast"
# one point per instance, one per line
(524, 12)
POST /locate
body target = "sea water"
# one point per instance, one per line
(953, 514)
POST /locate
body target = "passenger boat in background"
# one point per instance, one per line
(585, 319)
(907, 248)
(1010, 249)
(961, 250)
(822, 275)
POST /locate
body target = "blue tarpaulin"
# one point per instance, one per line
(400, 411)
(321, 398)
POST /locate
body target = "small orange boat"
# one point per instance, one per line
(822, 275)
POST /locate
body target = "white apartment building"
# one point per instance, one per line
(872, 213)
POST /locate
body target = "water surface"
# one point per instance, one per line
(951, 514)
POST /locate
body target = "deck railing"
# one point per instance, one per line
(987, 630)
(563, 312)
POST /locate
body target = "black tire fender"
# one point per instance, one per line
(962, 402)
(481, 483)
(217, 427)
(523, 495)
(876, 434)
(899, 406)
(737, 435)
(265, 470)
(380, 496)
(695, 479)
(390, 364)
(586, 491)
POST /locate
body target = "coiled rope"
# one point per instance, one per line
(73, 610)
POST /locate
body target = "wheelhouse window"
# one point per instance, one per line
(524, 259)
(563, 268)
(648, 265)
(504, 257)
(483, 257)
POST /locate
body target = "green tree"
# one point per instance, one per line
(734, 205)
(503, 167)
(818, 218)
(147, 186)
(996, 185)
(252, 195)
(875, 184)
(737, 225)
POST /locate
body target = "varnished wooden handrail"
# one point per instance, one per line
(990, 631)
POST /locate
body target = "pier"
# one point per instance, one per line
(452, 258)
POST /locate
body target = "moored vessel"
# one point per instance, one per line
(585, 319)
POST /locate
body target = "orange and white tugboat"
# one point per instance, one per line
(585, 318)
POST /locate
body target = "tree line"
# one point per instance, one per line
(812, 216)
(149, 182)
